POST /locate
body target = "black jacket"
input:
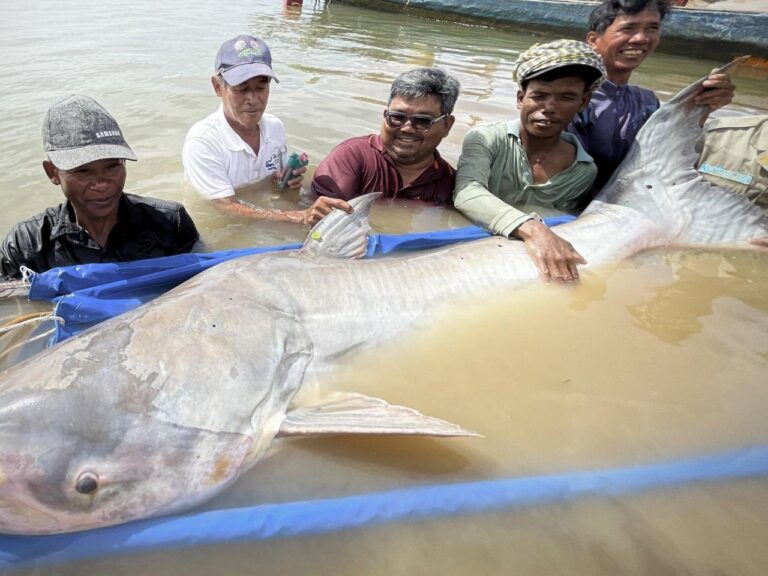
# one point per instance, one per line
(146, 228)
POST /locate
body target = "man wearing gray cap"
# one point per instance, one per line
(98, 222)
(240, 143)
(505, 168)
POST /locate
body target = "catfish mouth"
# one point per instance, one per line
(23, 519)
(50, 492)
(40, 495)
(20, 511)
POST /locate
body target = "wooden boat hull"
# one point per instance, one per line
(685, 29)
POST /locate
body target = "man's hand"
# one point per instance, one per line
(296, 179)
(717, 92)
(310, 216)
(322, 207)
(760, 243)
(555, 258)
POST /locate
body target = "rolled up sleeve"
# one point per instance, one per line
(472, 196)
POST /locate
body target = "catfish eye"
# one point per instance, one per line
(87, 483)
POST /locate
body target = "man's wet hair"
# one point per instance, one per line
(605, 14)
(588, 74)
(422, 82)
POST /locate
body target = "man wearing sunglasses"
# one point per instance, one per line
(506, 167)
(402, 159)
(240, 143)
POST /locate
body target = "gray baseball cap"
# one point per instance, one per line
(78, 130)
(244, 57)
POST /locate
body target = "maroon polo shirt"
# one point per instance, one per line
(361, 165)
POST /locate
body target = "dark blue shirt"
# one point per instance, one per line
(608, 126)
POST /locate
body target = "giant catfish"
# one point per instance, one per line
(161, 408)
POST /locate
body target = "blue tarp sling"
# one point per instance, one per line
(322, 516)
(91, 293)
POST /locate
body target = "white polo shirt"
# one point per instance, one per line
(216, 160)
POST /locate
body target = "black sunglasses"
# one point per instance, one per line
(420, 122)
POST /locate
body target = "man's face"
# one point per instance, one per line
(244, 104)
(629, 40)
(547, 107)
(406, 145)
(93, 189)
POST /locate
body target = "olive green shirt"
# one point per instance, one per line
(494, 176)
(735, 155)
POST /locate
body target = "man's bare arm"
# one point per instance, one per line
(309, 216)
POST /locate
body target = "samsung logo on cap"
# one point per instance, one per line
(107, 133)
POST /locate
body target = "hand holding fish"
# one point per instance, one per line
(322, 207)
(554, 257)
(717, 92)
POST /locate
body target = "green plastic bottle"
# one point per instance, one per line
(295, 162)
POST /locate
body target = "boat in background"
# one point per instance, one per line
(722, 29)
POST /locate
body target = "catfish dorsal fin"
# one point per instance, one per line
(342, 235)
(688, 92)
(346, 413)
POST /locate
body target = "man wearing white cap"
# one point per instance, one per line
(98, 222)
(240, 143)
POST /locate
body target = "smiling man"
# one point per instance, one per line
(402, 159)
(625, 33)
(507, 166)
(241, 143)
(98, 222)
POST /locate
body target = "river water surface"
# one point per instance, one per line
(663, 356)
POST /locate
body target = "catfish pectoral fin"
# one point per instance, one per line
(346, 413)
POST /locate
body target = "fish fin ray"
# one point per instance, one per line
(342, 235)
(688, 92)
(346, 413)
(661, 181)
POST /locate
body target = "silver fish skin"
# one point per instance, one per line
(161, 408)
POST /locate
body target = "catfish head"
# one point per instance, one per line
(123, 422)
(74, 459)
